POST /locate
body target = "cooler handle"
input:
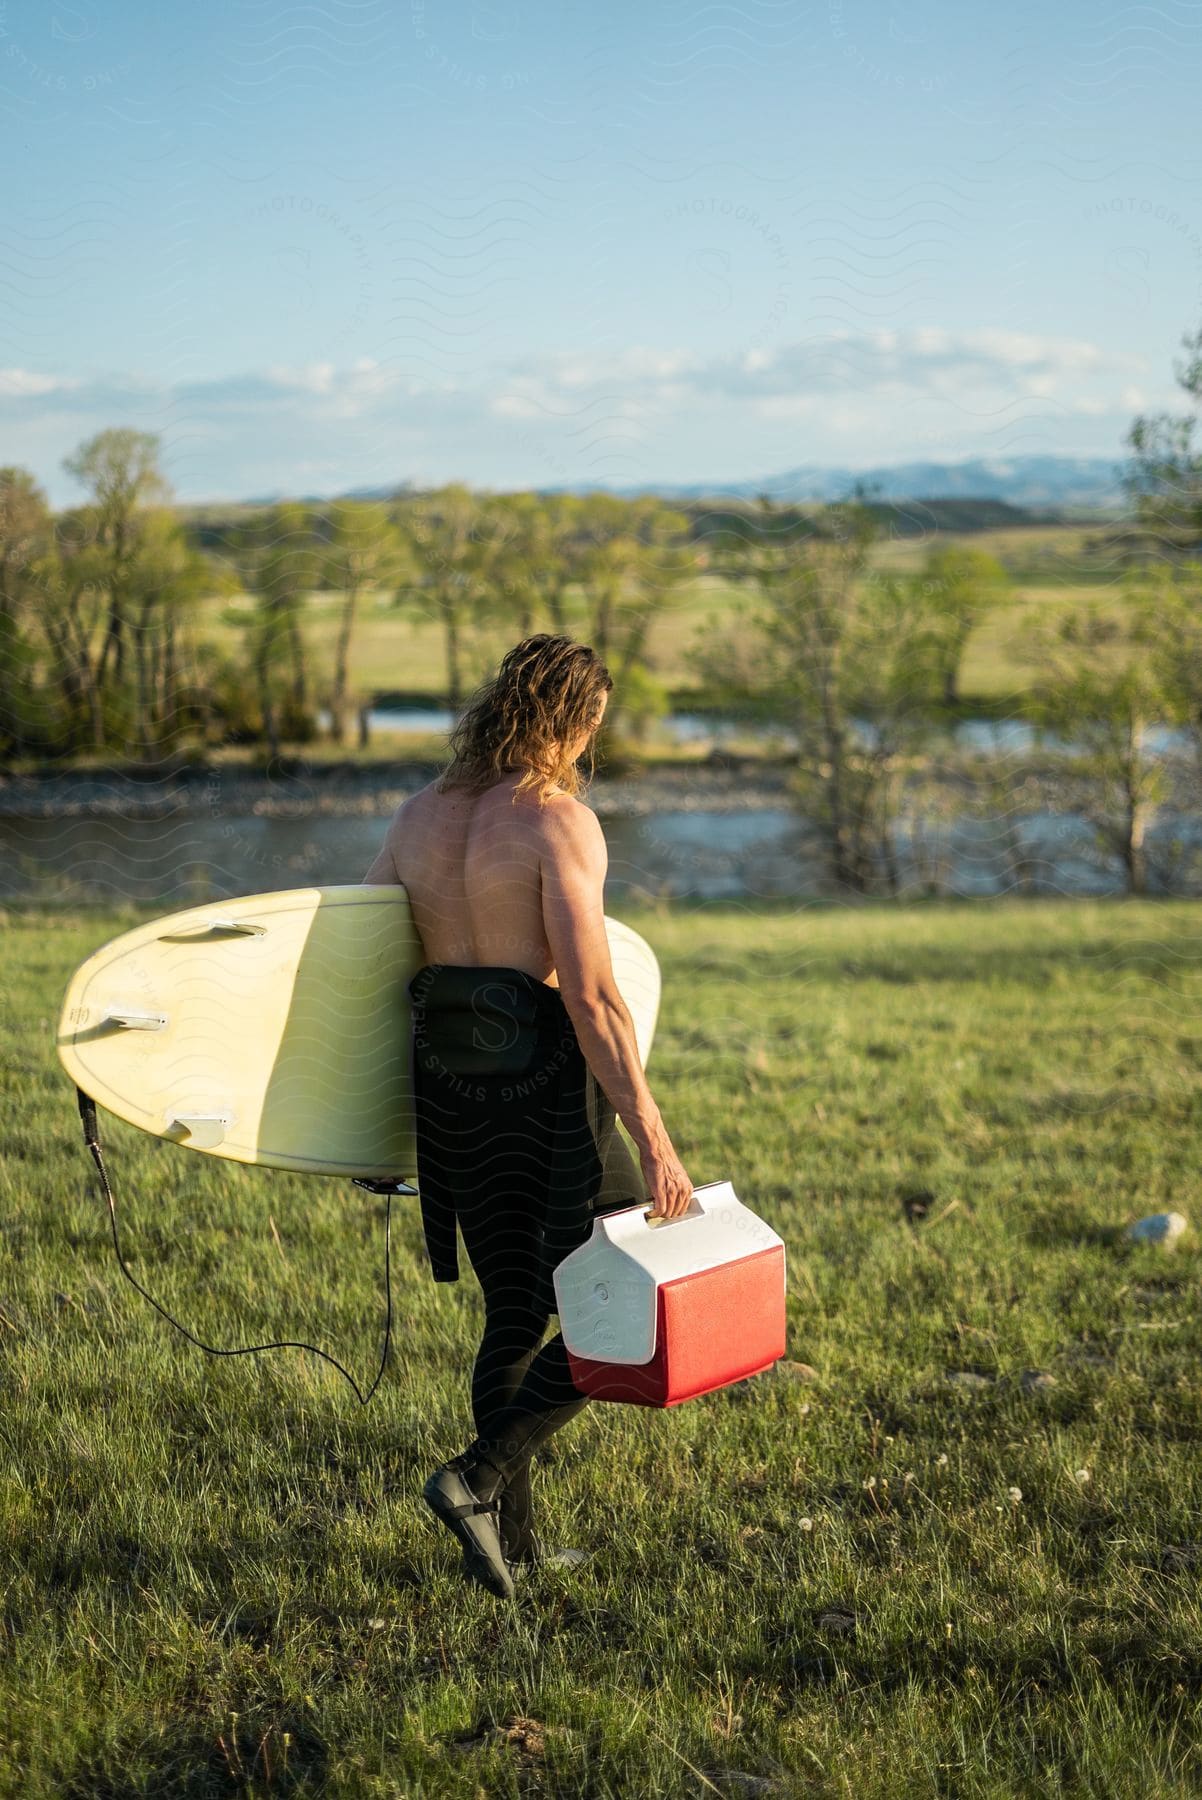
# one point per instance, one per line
(621, 1227)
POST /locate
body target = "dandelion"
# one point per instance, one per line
(806, 1524)
(1081, 1476)
(1015, 1494)
(870, 1483)
(941, 1460)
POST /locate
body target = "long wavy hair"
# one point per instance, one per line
(545, 693)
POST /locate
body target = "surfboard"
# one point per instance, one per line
(276, 1028)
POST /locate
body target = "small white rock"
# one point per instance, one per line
(1159, 1228)
(566, 1559)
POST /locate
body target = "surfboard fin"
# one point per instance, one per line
(232, 927)
(130, 1019)
(205, 1130)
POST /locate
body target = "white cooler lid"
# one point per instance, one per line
(607, 1290)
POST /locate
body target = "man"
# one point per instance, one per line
(524, 1056)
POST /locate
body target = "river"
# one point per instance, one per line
(767, 853)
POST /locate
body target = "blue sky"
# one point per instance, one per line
(322, 246)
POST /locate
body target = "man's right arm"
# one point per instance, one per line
(573, 861)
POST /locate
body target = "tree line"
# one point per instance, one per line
(103, 645)
(102, 616)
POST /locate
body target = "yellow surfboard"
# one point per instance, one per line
(275, 1028)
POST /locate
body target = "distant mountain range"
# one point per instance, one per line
(1025, 481)
(1038, 482)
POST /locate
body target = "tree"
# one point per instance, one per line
(547, 530)
(442, 529)
(120, 466)
(632, 566)
(964, 585)
(366, 551)
(503, 562)
(280, 559)
(1174, 600)
(72, 577)
(26, 533)
(1104, 682)
(1165, 476)
(894, 676)
(165, 581)
(607, 564)
(797, 653)
(845, 656)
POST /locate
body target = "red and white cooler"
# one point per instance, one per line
(656, 1311)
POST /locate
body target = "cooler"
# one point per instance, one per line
(656, 1311)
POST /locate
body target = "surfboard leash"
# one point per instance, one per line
(91, 1135)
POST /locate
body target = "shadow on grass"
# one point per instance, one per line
(1163, 1674)
(196, 1763)
(1066, 1226)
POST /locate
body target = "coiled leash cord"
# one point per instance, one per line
(91, 1135)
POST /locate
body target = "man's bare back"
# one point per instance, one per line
(473, 868)
(470, 865)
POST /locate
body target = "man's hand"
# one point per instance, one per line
(668, 1185)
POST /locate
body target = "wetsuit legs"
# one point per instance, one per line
(511, 1337)
(545, 1402)
(521, 1394)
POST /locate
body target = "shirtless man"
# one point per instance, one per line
(492, 880)
(504, 868)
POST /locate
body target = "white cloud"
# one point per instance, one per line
(29, 382)
(516, 406)
(639, 413)
(312, 378)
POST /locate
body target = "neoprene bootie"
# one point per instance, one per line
(465, 1494)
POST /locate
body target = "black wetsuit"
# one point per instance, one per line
(517, 1141)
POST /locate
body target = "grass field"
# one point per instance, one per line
(855, 1576)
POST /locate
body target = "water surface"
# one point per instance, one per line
(703, 855)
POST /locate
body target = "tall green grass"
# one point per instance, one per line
(220, 1578)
